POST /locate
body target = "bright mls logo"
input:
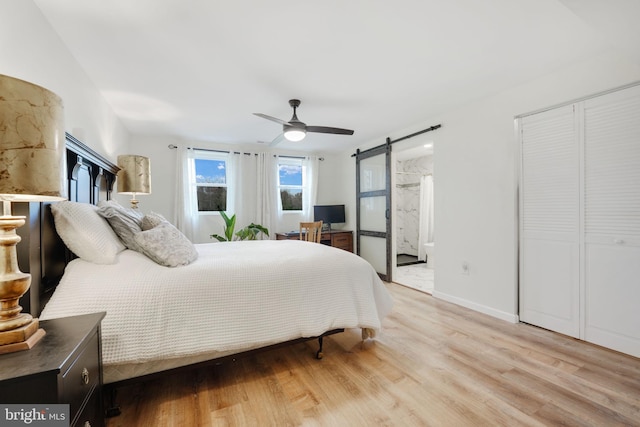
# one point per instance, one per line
(36, 415)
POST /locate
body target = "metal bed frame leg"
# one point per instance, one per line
(113, 409)
(319, 352)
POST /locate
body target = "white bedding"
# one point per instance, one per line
(235, 296)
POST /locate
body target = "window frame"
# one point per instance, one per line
(297, 161)
(213, 156)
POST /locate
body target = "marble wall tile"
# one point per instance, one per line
(408, 200)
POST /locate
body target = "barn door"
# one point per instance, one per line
(373, 208)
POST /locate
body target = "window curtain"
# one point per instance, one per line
(278, 213)
(235, 205)
(310, 183)
(186, 211)
(254, 189)
(268, 199)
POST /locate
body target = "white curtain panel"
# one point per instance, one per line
(278, 213)
(310, 183)
(426, 229)
(267, 198)
(242, 196)
(252, 176)
(186, 209)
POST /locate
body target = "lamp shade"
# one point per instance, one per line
(32, 143)
(134, 176)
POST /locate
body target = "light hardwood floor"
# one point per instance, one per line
(433, 364)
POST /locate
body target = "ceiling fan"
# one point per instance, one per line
(295, 130)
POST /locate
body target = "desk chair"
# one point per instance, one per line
(311, 231)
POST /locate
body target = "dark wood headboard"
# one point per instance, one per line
(41, 252)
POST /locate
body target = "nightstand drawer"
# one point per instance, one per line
(82, 376)
(90, 414)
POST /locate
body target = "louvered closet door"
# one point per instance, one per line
(612, 220)
(549, 221)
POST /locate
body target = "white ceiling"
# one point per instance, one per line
(198, 69)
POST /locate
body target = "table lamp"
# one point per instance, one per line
(32, 169)
(134, 176)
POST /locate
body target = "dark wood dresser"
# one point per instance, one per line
(64, 367)
(342, 239)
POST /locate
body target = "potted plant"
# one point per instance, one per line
(250, 232)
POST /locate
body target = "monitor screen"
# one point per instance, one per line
(329, 214)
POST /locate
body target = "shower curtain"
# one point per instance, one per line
(425, 229)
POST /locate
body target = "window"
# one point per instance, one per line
(211, 181)
(290, 183)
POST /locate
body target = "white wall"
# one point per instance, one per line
(163, 174)
(30, 50)
(333, 189)
(475, 166)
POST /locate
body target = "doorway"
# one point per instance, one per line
(413, 193)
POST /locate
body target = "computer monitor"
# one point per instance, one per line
(329, 214)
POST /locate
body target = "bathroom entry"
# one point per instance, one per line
(414, 224)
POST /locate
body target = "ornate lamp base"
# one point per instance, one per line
(22, 338)
(18, 331)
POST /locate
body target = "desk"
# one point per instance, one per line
(342, 239)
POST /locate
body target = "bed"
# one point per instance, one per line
(230, 299)
(234, 297)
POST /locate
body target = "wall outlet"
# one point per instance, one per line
(464, 268)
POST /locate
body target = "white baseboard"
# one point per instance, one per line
(512, 318)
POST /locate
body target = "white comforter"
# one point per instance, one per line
(236, 296)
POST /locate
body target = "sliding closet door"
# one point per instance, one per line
(550, 221)
(612, 220)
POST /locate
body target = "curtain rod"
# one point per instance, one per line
(173, 146)
(209, 150)
(296, 157)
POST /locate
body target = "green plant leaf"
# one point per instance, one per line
(230, 223)
(257, 228)
(250, 232)
(220, 238)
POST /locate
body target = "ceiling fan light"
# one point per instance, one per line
(294, 134)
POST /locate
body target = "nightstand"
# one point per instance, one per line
(64, 367)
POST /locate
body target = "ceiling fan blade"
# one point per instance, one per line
(325, 129)
(273, 119)
(277, 140)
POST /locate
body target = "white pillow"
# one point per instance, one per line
(86, 234)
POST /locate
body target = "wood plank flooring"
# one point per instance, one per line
(433, 364)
